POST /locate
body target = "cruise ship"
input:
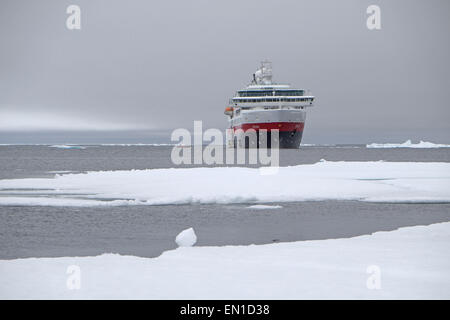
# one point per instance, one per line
(264, 104)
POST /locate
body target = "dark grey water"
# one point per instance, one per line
(35, 231)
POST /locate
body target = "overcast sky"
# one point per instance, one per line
(159, 65)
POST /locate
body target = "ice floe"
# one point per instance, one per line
(409, 263)
(63, 146)
(264, 207)
(408, 144)
(325, 180)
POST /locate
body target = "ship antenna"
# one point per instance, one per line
(264, 74)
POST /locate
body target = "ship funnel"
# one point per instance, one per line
(264, 74)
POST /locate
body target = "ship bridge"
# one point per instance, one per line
(263, 93)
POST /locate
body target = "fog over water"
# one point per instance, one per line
(138, 69)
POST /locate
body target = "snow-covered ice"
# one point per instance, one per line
(62, 201)
(413, 263)
(370, 181)
(364, 181)
(67, 147)
(186, 238)
(264, 207)
(408, 144)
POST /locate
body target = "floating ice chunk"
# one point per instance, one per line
(408, 144)
(263, 207)
(317, 145)
(186, 238)
(67, 147)
(30, 200)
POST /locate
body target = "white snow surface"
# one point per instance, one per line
(408, 144)
(413, 263)
(186, 238)
(365, 181)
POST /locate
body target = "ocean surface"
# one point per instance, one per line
(40, 231)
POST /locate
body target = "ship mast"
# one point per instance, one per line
(264, 74)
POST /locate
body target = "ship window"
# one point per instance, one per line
(255, 93)
(265, 93)
(289, 92)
